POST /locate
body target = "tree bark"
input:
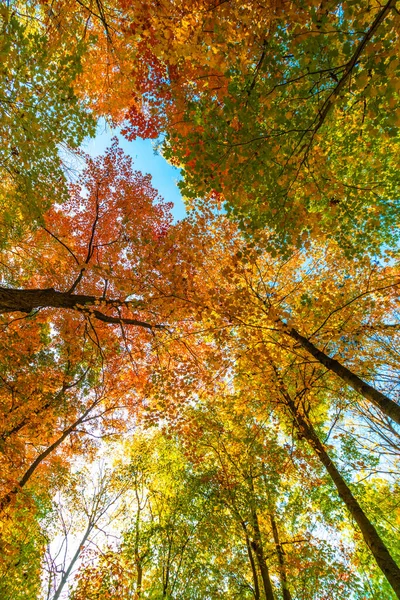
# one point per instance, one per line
(281, 559)
(259, 550)
(167, 570)
(383, 402)
(374, 542)
(252, 563)
(21, 300)
(275, 534)
(138, 558)
(139, 580)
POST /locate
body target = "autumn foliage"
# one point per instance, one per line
(205, 408)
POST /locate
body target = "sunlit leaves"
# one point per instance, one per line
(41, 119)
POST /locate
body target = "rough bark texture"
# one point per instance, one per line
(20, 300)
(12, 300)
(139, 580)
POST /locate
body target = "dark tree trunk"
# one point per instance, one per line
(139, 580)
(252, 563)
(17, 300)
(275, 533)
(259, 550)
(281, 559)
(386, 405)
(374, 542)
(12, 300)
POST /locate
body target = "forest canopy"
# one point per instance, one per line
(209, 407)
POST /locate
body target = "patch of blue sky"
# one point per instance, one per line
(146, 159)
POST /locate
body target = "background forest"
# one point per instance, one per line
(206, 408)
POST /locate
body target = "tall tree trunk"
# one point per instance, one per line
(167, 570)
(258, 549)
(138, 559)
(281, 559)
(374, 542)
(278, 546)
(383, 402)
(252, 563)
(139, 579)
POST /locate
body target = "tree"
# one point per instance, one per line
(239, 303)
(249, 382)
(81, 512)
(270, 490)
(96, 252)
(64, 378)
(161, 537)
(289, 104)
(42, 119)
(282, 111)
(22, 548)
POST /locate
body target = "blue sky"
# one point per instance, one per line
(164, 176)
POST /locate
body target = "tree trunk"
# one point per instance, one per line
(139, 580)
(281, 559)
(259, 551)
(12, 300)
(279, 550)
(386, 405)
(378, 548)
(167, 570)
(252, 563)
(138, 558)
(19, 300)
